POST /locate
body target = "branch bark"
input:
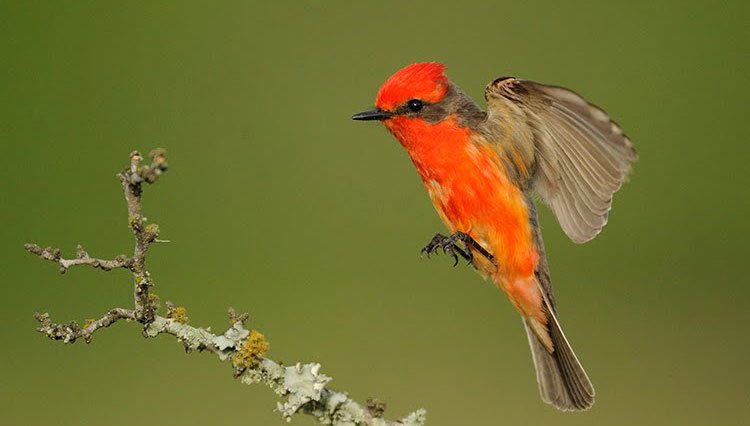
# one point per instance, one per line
(82, 258)
(303, 386)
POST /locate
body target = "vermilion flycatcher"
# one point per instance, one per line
(481, 168)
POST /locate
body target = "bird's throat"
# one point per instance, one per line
(433, 147)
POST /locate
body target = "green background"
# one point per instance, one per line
(279, 204)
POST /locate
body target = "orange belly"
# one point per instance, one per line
(479, 199)
(473, 193)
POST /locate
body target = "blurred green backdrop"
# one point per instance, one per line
(277, 203)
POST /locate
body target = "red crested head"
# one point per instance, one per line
(424, 81)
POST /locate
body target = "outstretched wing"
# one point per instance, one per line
(581, 157)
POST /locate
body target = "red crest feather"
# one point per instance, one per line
(424, 81)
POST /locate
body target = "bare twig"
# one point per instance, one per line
(71, 332)
(132, 180)
(303, 385)
(82, 258)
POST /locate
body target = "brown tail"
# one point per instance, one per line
(562, 380)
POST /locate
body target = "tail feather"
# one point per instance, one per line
(562, 380)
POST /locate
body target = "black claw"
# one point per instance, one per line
(450, 247)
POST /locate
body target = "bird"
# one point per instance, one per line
(483, 171)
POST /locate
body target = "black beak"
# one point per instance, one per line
(373, 114)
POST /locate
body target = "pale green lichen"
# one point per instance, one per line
(193, 338)
(336, 408)
(268, 373)
(230, 340)
(417, 418)
(303, 384)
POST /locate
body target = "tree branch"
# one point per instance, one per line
(303, 385)
(82, 258)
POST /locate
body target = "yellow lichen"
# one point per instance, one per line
(252, 351)
(87, 322)
(179, 314)
(154, 300)
(153, 229)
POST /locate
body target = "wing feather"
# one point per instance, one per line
(581, 157)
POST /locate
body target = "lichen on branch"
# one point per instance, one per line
(302, 385)
(252, 351)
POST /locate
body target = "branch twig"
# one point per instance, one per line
(303, 385)
(82, 258)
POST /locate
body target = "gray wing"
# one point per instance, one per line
(581, 157)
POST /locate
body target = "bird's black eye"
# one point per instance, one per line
(415, 105)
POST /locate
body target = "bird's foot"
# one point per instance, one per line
(450, 246)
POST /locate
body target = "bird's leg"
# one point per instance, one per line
(450, 247)
(472, 243)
